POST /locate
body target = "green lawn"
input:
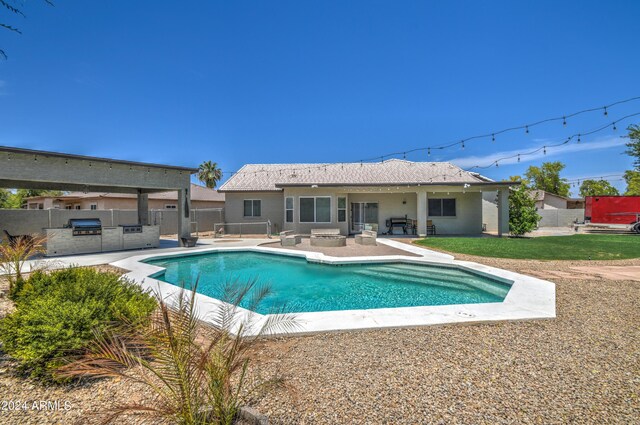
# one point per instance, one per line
(575, 247)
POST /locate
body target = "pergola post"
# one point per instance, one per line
(503, 211)
(143, 208)
(422, 213)
(184, 213)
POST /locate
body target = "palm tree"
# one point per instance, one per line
(209, 174)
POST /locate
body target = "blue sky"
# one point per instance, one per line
(320, 81)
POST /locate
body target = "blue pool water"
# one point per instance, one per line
(305, 286)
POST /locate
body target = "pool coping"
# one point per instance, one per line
(529, 297)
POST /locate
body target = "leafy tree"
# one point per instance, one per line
(4, 197)
(547, 178)
(18, 199)
(597, 187)
(634, 144)
(523, 216)
(209, 174)
(633, 183)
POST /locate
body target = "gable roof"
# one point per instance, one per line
(198, 193)
(273, 177)
(539, 195)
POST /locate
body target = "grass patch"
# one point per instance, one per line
(575, 247)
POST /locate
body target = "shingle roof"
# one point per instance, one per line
(272, 177)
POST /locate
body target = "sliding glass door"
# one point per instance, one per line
(363, 216)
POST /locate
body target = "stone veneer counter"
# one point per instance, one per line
(61, 241)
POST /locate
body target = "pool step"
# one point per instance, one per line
(450, 278)
(413, 279)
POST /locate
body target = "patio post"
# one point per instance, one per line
(184, 214)
(503, 211)
(422, 213)
(143, 208)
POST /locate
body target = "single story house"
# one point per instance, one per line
(357, 196)
(549, 201)
(201, 198)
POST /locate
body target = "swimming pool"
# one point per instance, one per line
(313, 287)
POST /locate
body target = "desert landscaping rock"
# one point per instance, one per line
(583, 367)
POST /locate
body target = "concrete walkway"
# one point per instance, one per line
(166, 246)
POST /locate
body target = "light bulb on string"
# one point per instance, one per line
(544, 151)
(614, 127)
(428, 151)
(526, 129)
(605, 111)
(564, 121)
(518, 157)
(579, 138)
(496, 164)
(462, 144)
(493, 137)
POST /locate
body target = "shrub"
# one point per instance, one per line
(193, 380)
(57, 313)
(14, 254)
(523, 217)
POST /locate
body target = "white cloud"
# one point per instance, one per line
(470, 161)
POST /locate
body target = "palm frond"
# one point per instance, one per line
(11, 8)
(10, 28)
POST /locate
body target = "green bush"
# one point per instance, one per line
(57, 313)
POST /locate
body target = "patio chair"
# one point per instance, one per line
(431, 228)
(289, 238)
(367, 237)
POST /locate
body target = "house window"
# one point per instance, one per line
(288, 209)
(342, 209)
(170, 207)
(315, 209)
(68, 207)
(93, 206)
(252, 208)
(442, 207)
(78, 207)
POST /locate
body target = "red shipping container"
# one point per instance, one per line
(612, 209)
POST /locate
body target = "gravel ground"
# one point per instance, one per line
(583, 367)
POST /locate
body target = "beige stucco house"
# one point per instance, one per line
(201, 197)
(357, 196)
(549, 201)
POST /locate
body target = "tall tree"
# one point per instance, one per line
(633, 147)
(4, 197)
(547, 178)
(14, 7)
(597, 187)
(633, 183)
(209, 174)
(19, 198)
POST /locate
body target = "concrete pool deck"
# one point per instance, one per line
(528, 298)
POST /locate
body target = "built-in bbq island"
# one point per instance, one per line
(87, 235)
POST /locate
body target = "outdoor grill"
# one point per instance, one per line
(85, 226)
(131, 228)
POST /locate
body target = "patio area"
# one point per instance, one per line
(351, 250)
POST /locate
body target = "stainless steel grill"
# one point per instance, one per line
(85, 226)
(131, 228)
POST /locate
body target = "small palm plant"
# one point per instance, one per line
(197, 374)
(14, 254)
(209, 174)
